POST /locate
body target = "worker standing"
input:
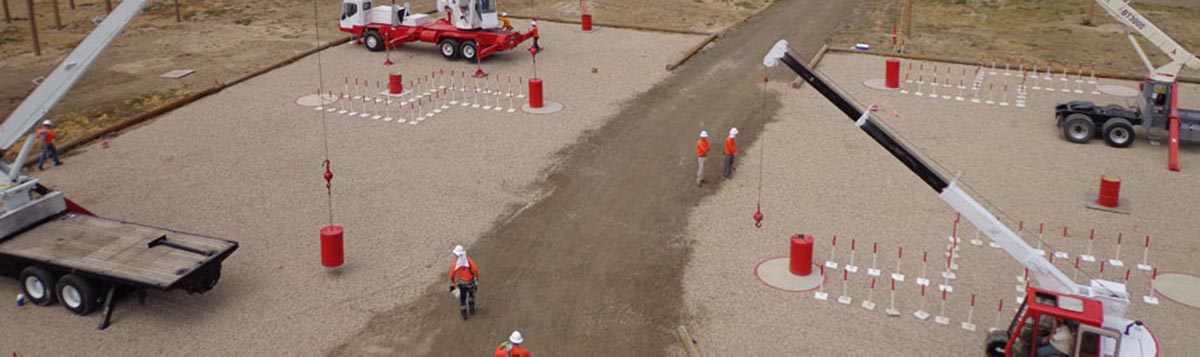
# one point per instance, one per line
(46, 135)
(730, 153)
(512, 347)
(536, 35)
(702, 148)
(465, 275)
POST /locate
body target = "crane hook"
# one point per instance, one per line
(758, 217)
(328, 176)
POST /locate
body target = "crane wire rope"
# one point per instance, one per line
(762, 147)
(324, 123)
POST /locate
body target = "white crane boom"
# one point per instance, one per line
(1134, 21)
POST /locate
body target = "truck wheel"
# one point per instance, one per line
(449, 48)
(1118, 133)
(995, 343)
(76, 294)
(38, 285)
(374, 42)
(1078, 128)
(468, 50)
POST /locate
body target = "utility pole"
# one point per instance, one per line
(107, 6)
(37, 47)
(57, 17)
(7, 16)
(178, 18)
(72, 3)
(908, 21)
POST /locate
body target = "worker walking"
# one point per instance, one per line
(702, 148)
(512, 347)
(46, 136)
(465, 275)
(730, 153)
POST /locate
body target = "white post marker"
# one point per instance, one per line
(1075, 275)
(1145, 264)
(976, 241)
(961, 87)
(873, 271)
(891, 311)
(1022, 281)
(833, 249)
(949, 74)
(1150, 299)
(365, 100)
(921, 280)
(331, 109)
(993, 71)
(991, 92)
(1091, 240)
(1049, 78)
(969, 325)
(1057, 254)
(387, 111)
(821, 294)
(999, 309)
(920, 83)
(1116, 260)
(1037, 79)
(850, 267)
(342, 105)
(1004, 97)
(1007, 65)
(1094, 82)
(1066, 78)
(934, 87)
(868, 304)
(920, 314)
(845, 298)
(1040, 238)
(941, 318)
(511, 107)
(897, 276)
(1101, 269)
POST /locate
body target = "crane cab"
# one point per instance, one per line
(1042, 314)
(471, 14)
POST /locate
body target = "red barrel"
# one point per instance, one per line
(800, 262)
(1110, 191)
(395, 83)
(587, 22)
(535, 93)
(893, 73)
(331, 247)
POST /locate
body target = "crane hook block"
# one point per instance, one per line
(758, 217)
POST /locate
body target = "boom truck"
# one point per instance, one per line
(471, 29)
(1158, 103)
(61, 251)
(1094, 312)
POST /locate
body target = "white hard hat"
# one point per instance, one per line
(733, 132)
(703, 134)
(516, 337)
(533, 23)
(505, 14)
(46, 122)
(459, 250)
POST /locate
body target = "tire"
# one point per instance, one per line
(995, 343)
(38, 285)
(1078, 128)
(374, 42)
(76, 294)
(448, 48)
(468, 50)
(1118, 133)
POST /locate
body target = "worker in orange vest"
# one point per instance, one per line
(46, 135)
(702, 148)
(730, 153)
(536, 35)
(512, 347)
(465, 276)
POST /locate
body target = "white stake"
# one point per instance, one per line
(969, 325)
(821, 294)
(845, 298)
(850, 267)
(897, 276)
(868, 304)
(941, 318)
(833, 249)
(1145, 265)
(891, 311)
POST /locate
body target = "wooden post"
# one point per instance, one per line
(908, 21)
(107, 6)
(7, 16)
(178, 18)
(37, 47)
(57, 17)
(72, 3)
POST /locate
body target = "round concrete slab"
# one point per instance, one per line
(877, 83)
(548, 107)
(1120, 91)
(774, 273)
(313, 100)
(1178, 287)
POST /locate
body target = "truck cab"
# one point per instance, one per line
(1036, 319)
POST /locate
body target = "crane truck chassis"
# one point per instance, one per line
(1096, 313)
(474, 33)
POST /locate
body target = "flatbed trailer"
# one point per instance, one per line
(82, 260)
(384, 27)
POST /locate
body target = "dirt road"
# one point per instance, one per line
(596, 266)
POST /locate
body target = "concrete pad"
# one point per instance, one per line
(775, 273)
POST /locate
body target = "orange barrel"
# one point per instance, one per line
(893, 73)
(395, 83)
(1110, 191)
(332, 255)
(800, 262)
(535, 93)
(587, 22)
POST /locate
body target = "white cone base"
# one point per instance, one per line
(775, 273)
(1180, 288)
(548, 107)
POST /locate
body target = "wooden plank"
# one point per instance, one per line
(688, 344)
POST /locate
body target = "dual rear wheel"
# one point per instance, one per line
(451, 49)
(76, 293)
(1117, 132)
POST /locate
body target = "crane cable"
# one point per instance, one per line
(324, 123)
(758, 216)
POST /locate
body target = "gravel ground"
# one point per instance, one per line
(825, 177)
(245, 165)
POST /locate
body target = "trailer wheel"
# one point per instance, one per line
(995, 343)
(468, 50)
(1118, 133)
(1078, 128)
(76, 294)
(449, 48)
(38, 285)
(374, 42)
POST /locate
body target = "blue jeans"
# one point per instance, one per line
(1048, 350)
(50, 151)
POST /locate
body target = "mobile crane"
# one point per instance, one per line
(1095, 312)
(471, 30)
(1157, 107)
(61, 251)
